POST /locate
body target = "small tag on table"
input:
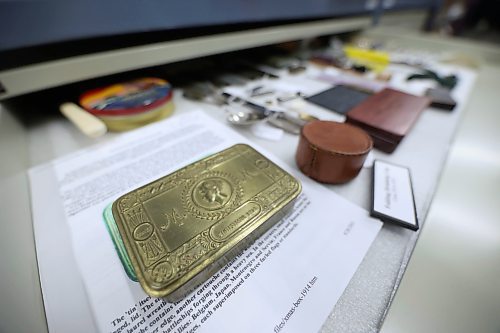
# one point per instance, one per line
(392, 199)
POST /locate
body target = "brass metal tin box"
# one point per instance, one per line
(182, 228)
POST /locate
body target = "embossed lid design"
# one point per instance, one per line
(179, 229)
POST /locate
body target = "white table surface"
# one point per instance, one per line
(452, 281)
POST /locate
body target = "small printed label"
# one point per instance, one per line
(393, 194)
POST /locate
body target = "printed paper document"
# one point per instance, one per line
(287, 281)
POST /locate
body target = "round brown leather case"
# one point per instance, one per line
(332, 152)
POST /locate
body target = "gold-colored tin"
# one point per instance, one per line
(182, 228)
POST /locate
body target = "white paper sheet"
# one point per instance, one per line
(287, 281)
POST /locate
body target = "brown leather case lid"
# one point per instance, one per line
(389, 113)
(332, 152)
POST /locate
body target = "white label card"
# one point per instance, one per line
(393, 195)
